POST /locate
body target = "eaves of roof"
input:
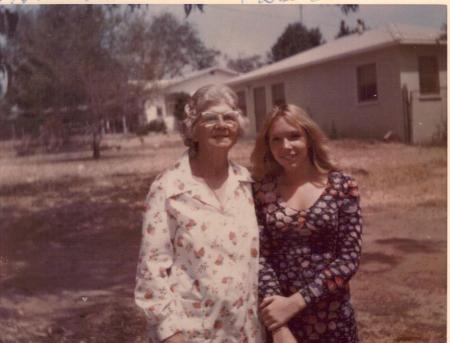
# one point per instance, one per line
(194, 75)
(247, 78)
(384, 37)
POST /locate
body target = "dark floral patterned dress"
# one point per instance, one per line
(315, 252)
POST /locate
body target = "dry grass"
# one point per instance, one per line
(122, 155)
(395, 174)
(70, 227)
(389, 174)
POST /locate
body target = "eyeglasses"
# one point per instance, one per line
(212, 118)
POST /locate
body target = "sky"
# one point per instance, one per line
(244, 30)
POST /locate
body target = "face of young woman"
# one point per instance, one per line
(288, 145)
(217, 127)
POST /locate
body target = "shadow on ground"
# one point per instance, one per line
(87, 242)
(408, 245)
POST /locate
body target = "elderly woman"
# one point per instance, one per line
(311, 230)
(197, 271)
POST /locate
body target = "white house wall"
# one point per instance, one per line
(332, 98)
(428, 112)
(329, 93)
(151, 107)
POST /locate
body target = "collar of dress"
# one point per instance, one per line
(181, 179)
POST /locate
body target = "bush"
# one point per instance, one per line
(180, 102)
(156, 125)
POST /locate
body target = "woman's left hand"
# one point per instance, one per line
(277, 310)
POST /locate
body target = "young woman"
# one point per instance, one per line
(197, 273)
(310, 231)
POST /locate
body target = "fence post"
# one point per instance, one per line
(406, 99)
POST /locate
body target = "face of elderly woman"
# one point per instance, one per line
(217, 127)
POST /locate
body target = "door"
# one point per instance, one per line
(259, 96)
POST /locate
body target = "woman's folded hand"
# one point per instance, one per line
(276, 310)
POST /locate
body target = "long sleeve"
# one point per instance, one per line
(268, 281)
(153, 289)
(348, 247)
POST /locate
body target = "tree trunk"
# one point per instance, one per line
(96, 144)
(13, 129)
(124, 124)
(108, 126)
(102, 125)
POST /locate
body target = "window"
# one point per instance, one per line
(278, 97)
(367, 82)
(159, 111)
(428, 75)
(242, 103)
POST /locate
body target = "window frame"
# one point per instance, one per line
(433, 74)
(363, 95)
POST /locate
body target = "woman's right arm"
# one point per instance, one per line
(267, 278)
(153, 292)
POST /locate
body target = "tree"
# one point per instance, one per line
(344, 30)
(245, 64)
(181, 100)
(102, 77)
(188, 8)
(162, 47)
(63, 62)
(176, 45)
(346, 9)
(67, 56)
(8, 26)
(295, 38)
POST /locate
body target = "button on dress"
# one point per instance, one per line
(315, 252)
(198, 262)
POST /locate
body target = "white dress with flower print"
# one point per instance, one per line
(198, 263)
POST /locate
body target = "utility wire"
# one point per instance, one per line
(259, 14)
(221, 7)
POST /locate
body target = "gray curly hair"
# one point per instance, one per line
(200, 101)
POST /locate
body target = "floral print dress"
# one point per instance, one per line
(315, 252)
(198, 263)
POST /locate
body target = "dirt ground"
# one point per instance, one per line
(70, 234)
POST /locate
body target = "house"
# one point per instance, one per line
(391, 80)
(166, 92)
